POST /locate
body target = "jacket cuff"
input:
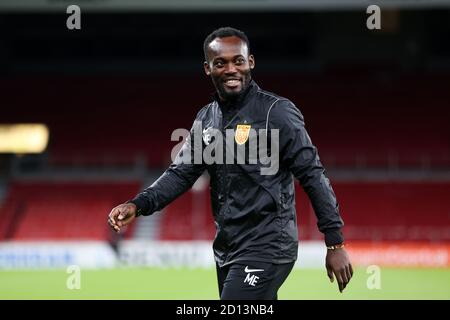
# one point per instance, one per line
(333, 237)
(141, 206)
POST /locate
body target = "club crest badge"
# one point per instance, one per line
(242, 133)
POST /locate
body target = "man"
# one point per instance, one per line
(256, 243)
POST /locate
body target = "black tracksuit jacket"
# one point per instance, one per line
(254, 214)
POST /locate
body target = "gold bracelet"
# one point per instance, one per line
(337, 246)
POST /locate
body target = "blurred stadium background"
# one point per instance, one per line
(376, 103)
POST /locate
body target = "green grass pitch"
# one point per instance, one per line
(179, 284)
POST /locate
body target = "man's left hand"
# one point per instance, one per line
(338, 263)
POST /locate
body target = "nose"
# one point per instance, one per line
(230, 68)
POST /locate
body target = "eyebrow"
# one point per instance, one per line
(235, 57)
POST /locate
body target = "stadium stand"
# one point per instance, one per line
(413, 211)
(49, 210)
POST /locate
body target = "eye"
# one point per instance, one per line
(240, 61)
(218, 64)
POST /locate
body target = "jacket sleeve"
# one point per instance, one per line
(300, 156)
(177, 179)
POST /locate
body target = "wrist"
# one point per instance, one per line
(336, 246)
(137, 211)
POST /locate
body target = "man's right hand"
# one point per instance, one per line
(121, 216)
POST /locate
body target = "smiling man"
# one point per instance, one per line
(256, 242)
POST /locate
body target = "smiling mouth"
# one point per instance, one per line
(232, 83)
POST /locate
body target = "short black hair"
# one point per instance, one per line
(223, 33)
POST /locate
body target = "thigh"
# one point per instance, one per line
(254, 280)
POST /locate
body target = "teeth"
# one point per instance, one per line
(232, 82)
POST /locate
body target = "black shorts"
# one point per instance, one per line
(251, 280)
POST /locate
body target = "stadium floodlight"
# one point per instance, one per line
(23, 138)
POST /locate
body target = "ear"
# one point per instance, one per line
(207, 68)
(251, 61)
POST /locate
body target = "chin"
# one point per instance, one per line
(232, 92)
(231, 95)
